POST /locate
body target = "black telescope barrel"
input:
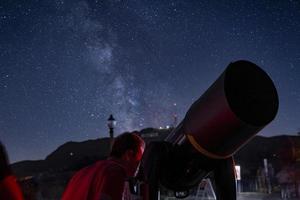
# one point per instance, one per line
(237, 106)
(250, 93)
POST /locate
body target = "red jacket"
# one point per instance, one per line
(9, 189)
(103, 180)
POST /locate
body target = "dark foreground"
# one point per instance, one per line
(260, 196)
(241, 196)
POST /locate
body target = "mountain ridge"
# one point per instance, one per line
(72, 156)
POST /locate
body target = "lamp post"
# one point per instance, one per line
(111, 123)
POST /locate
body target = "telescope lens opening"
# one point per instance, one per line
(250, 93)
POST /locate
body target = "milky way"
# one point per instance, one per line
(66, 65)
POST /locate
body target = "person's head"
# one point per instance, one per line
(128, 147)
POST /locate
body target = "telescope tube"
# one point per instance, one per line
(235, 108)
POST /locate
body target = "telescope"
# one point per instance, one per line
(241, 102)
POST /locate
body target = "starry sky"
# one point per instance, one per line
(66, 65)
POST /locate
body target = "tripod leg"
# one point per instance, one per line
(224, 175)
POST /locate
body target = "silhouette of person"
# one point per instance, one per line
(9, 188)
(105, 180)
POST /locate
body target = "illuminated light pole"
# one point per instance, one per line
(111, 123)
(267, 175)
(175, 115)
(238, 178)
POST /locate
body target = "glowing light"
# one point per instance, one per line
(238, 172)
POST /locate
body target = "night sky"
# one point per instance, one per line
(66, 65)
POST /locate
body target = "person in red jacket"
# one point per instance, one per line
(9, 188)
(105, 180)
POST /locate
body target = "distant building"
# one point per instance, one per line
(152, 134)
